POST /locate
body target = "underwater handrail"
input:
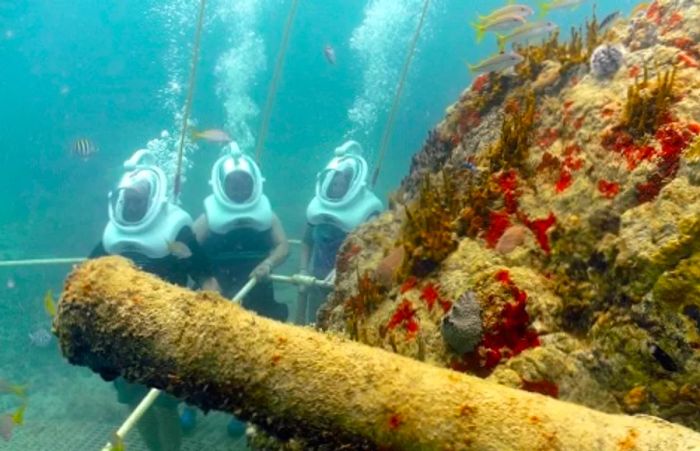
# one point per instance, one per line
(389, 127)
(272, 89)
(42, 261)
(190, 95)
(300, 279)
(67, 260)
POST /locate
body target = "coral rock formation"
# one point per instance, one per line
(598, 303)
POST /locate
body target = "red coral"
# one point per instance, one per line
(564, 181)
(683, 43)
(469, 120)
(445, 304)
(623, 143)
(503, 276)
(394, 421)
(673, 21)
(608, 189)
(634, 71)
(547, 388)
(540, 227)
(654, 13)
(408, 284)
(498, 223)
(688, 60)
(430, 295)
(480, 82)
(548, 137)
(512, 335)
(404, 315)
(673, 139)
(508, 181)
(578, 123)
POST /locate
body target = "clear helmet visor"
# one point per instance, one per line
(238, 185)
(134, 197)
(335, 183)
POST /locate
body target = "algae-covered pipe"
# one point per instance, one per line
(294, 381)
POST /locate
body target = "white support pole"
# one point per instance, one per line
(68, 260)
(42, 261)
(135, 416)
(238, 298)
(300, 279)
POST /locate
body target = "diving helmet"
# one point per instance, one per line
(237, 198)
(140, 194)
(342, 196)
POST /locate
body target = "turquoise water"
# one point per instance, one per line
(116, 73)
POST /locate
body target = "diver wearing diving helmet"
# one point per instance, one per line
(156, 235)
(241, 234)
(342, 202)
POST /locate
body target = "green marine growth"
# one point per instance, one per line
(428, 234)
(512, 148)
(365, 302)
(648, 103)
(568, 53)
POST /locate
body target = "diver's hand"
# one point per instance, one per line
(262, 270)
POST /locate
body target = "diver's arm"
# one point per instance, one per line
(198, 265)
(279, 252)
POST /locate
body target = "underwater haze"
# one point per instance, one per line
(115, 75)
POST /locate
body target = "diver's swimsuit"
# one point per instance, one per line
(233, 257)
(325, 241)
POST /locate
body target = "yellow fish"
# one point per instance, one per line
(18, 390)
(18, 416)
(179, 249)
(49, 305)
(9, 421)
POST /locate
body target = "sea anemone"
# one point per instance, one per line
(461, 326)
(606, 60)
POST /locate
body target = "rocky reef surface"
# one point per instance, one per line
(548, 234)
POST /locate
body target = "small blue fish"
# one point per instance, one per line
(608, 20)
(470, 166)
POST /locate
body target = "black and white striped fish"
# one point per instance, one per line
(83, 148)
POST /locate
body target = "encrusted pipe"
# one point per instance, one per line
(294, 381)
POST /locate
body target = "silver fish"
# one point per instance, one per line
(519, 10)
(502, 23)
(496, 63)
(545, 7)
(526, 32)
(40, 338)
